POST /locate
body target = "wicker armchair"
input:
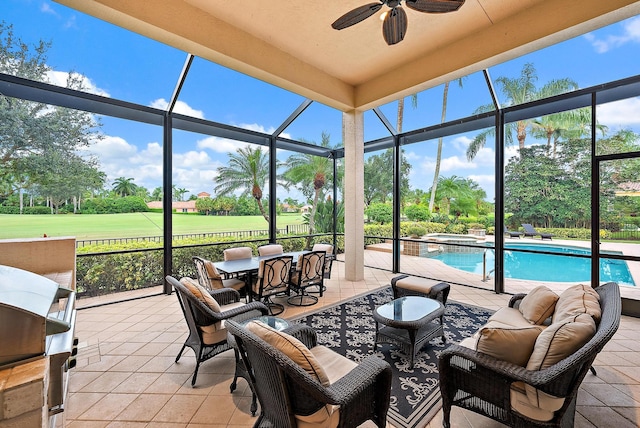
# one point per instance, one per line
(286, 391)
(481, 383)
(207, 336)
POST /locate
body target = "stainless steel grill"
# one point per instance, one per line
(37, 317)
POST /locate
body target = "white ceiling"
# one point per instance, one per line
(290, 43)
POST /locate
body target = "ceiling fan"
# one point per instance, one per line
(394, 26)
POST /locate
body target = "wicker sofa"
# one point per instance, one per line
(528, 375)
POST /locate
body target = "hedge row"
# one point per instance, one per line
(25, 210)
(99, 274)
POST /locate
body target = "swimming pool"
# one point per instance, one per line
(541, 267)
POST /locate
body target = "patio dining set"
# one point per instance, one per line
(273, 273)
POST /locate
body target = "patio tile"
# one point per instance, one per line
(127, 375)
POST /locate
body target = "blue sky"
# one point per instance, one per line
(123, 65)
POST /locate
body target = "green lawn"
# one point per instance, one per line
(86, 226)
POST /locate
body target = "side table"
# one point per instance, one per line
(409, 322)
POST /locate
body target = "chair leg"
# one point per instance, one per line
(195, 374)
(302, 299)
(180, 353)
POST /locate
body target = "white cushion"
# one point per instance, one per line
(414, 283)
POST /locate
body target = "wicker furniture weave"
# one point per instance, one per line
(481, 383)
(197, 314)
(409, 322)
(284, 389)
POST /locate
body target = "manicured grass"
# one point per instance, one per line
(87, 226)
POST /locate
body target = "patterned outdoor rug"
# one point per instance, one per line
(349, 329)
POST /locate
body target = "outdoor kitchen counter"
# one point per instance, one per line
(23, 398)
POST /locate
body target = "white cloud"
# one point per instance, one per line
(181, 107)
(59, 78)
(193, 170)
(46, 8)
(625, 112)
(486, 181)
(630, 33)
(220, 145)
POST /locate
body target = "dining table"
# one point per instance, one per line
(250, 266)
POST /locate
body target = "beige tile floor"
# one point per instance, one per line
(126, 375)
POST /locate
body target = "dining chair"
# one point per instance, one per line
(327, 248)
(273, 279)
(309, 272)
(210, 278)
(237, 253)
(270, 250)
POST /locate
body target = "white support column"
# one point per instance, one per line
(353, 140)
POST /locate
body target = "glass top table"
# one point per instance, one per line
(409, 323)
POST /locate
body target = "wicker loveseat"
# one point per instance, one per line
(541, 392)
(302, 384)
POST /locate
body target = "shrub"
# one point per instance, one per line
(380, 213)
(416, 231)
(417, 212)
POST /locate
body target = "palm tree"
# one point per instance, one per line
(519, 91)
(124, 186)
(436, 174)
(449, 188)
(248, 169)
(309, 173)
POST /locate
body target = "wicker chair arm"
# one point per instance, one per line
(258, 307)
(545, 380)
(303, 333)
(364, 375)
(224, 296)
(514, 302)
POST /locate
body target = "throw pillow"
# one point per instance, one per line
(292, 348)
(575, 300)
(508, 343)
(538, 305)
(201, 294)
(556, 342)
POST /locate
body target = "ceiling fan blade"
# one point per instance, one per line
(356, 15)
(434, 6)
(394, 26)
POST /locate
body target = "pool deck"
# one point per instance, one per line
(379, 255)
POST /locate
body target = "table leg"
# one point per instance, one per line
(412, 342)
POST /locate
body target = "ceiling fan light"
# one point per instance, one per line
(384, 14)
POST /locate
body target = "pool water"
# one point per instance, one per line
(542, 267)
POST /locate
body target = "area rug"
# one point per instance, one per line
(349, 329)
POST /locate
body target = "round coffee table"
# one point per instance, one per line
(409, 322)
